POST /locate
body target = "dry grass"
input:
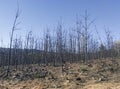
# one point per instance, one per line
(103, 86)
(29, 84)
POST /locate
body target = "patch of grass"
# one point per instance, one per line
(37, 76)
(83, 68)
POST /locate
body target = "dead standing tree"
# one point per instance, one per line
(11, 38)
(109, 40)
(84, 35)
(79, 28)
(46, 47)
(59, 43)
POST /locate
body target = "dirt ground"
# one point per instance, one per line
(103, 86)
(36, 84)
(99, 74)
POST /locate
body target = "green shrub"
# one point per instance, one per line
(83, 68)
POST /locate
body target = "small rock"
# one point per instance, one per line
(66, 82)
(90, 65)
(78, 79)
(101, 79)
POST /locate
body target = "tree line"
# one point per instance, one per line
(56, 48)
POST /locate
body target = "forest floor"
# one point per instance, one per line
(97, 74)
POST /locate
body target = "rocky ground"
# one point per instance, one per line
(98, 74)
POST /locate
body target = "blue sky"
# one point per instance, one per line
(37, 15)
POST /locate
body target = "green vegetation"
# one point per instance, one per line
(84, 68)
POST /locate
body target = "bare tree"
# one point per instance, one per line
(46, 46)
(11, 37)
(59, 42)
(79, 35)
(109, 40)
